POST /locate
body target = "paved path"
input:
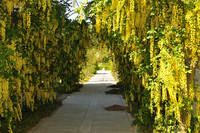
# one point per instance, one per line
(83, 112)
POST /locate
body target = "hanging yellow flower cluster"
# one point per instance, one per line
(157, 53)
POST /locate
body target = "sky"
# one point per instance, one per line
(73, 8)
(75, 14)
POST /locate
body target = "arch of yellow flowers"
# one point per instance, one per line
(155, 45)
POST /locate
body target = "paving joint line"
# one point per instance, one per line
(84, 115)
(94, 112)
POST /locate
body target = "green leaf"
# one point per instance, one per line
(2, 65)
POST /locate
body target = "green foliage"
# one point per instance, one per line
(88, 66)
(96, 59)
(96, 67)
(105, 59)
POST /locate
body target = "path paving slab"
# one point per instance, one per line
(83, 112)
